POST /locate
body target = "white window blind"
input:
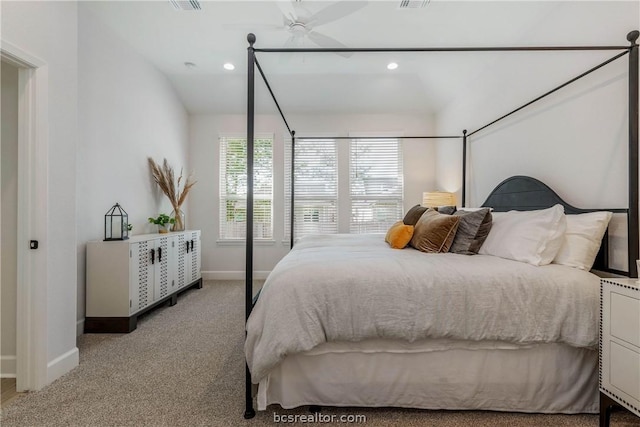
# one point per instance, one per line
(316, 187)
(233, 188)
(376, 184)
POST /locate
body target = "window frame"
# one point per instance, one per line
(334, 199)
(223, 197)
(397, 198)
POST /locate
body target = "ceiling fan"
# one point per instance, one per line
(301, 24)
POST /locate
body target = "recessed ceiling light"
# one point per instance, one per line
(229, 66)
(190, 65)
(392, 66)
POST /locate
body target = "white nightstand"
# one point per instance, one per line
(619, 346)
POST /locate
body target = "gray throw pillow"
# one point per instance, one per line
(473, 230)
(447, 210)
(414, 214)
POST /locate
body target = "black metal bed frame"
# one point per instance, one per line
(633, 236)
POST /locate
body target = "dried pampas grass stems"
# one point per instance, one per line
(165, 178)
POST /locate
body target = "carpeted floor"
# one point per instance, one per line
(184, 366)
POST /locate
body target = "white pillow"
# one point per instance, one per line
(534, 237)
(582, 239)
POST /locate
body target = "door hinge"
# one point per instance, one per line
(130, 303)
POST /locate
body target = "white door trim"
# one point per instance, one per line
(33, 130)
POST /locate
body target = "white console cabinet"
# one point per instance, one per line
(129, 277)
(619, 346)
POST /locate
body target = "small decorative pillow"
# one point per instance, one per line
(414, 214)
(582, 239)
(447, 210)
(533, 237)
(472, 231)
(399, 235)
(434, 232)
(475, 209)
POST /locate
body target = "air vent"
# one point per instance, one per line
(413, 4)
(185, 4)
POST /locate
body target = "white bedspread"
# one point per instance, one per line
(354, 287)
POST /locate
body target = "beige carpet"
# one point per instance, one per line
(184, 366)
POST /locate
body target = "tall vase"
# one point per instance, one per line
(178, 216)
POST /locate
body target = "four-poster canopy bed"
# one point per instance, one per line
(315, 370)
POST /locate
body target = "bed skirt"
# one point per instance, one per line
(440, 374)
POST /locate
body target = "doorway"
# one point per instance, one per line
(23, 172)
(8, 219)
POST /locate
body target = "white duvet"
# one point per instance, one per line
(354, 287)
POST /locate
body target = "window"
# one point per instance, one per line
(376, 184)
(233, 188)
(316, 187)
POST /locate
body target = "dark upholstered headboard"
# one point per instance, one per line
(523, 193)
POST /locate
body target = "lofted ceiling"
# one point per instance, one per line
(326, 82)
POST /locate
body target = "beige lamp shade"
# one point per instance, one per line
(432, 199)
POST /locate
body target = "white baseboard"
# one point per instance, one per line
(8, 366)
(232, 275)
(62, 364)
(79, 327)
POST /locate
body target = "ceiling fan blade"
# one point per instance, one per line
(288, 11)
(326, 41)
(334, 12)
(293, 41)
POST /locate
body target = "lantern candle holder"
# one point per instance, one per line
(116, 224)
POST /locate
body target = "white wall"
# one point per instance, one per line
(128, 111)
(9, 218)
(575, 140)
(203, 209)
(48, 30)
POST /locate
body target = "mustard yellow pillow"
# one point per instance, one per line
(399, 235)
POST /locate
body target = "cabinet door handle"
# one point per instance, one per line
(192, 246)
(187, 247)
(159, 254)
(153, 256)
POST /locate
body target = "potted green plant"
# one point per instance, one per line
(130, 229)
(162, 221)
